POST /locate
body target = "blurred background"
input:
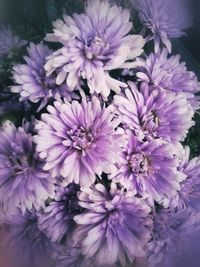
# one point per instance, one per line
(33, 17)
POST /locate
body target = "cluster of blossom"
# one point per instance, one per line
(100, 176)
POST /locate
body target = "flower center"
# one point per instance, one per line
(72, 206)
(114, 211)
(150, 123)
(20, 161)
(95, 46)
(115, 215)
(81, 138)
(49, 82)
(138, 163)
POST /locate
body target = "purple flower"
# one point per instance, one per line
(31, 80)
(79, 141)
(29, 245)
(8, 41)
(23, 182)
(149, 168)
(169, 73)
(57, 219)
(165, 19)
(172, 234)
(189, 194)
(152, 113)
(114, 228)
(94, 43)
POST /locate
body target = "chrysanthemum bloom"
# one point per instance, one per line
(29, 245)
(79, 141)
(8, 41)
(23, 182)
(94, 43)
(189, 194)
(169, 73)
(31, 81)
(165, 19)
(57, 219)
(151, 113)
(114, 228)
(149, 168)
(172, 234)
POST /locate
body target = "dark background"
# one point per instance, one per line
(192, 40)
(31, 19)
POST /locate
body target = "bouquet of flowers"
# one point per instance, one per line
(95, 171)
